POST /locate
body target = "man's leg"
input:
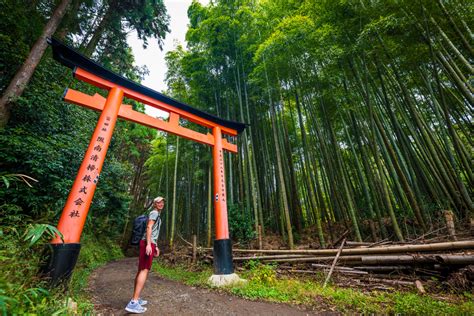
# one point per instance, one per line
(140, 279)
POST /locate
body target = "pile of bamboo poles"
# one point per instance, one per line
(377, 263)
(440, 253)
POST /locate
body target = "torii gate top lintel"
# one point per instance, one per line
(87, 70)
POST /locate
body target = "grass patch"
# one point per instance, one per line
(264, 284)
(182, 274)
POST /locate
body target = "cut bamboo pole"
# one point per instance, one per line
(334, 263)
(420, 287)
(392, 282)
(449, 217)
(355, 272)
(343, 236)
(383, 268)
(270, 257)
(442, 246)
(388, 259)
(357, 244)
(354, 259)
(326, 266)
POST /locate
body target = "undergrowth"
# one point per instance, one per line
(22, 292)
(263, 283)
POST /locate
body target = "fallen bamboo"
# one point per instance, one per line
(316, 272)
(345, 270)
(316, 259)
(383, 268)
(380, 243)
(269, 257)
(357, 244)
(446, 259)
(386, 259)
(343, 236)
(442, 246)
(392, 282)
(326, 266)
(334, 263)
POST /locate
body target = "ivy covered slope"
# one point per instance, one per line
(45, 139)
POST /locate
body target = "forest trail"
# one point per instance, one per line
(111, 287)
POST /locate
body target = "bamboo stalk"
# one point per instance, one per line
(353, 272)
(326, 266)
(334, 263)
(357, 244)
(442, 246)
(269, 257)
(382, 259)
(392, 282)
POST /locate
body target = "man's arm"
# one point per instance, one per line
(149, 227)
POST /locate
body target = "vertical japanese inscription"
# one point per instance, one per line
(92, 171)
(221, 176)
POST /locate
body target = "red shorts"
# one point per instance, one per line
(144, 261)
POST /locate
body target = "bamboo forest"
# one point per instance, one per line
(343, 182)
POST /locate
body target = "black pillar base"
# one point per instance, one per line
(223, 257)
(60, 264)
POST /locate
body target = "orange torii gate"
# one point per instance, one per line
(75, 211)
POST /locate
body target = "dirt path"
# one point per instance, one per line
(111, 287)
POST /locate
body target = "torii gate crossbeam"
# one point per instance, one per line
(80, 197)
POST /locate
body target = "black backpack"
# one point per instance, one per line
(139, 228)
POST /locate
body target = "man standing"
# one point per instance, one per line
(148, 250)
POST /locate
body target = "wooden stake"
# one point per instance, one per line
(420, 287)
(334, 262)
(194, 248)
(449, 217)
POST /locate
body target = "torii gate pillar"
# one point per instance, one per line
(73, 217)
(222, 243)
(223, 267)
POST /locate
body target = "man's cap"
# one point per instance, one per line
(158, 199)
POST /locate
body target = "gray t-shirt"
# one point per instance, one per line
(155, 230)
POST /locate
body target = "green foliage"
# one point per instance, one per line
(240, 223)
(412, 304)
(262, 273)
(21, 291)
(38, 231)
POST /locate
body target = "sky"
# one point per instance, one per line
(153, 57)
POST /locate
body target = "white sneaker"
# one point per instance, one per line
(135, 308)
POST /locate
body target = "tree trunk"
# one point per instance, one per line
(23, 75)
(99, 31)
